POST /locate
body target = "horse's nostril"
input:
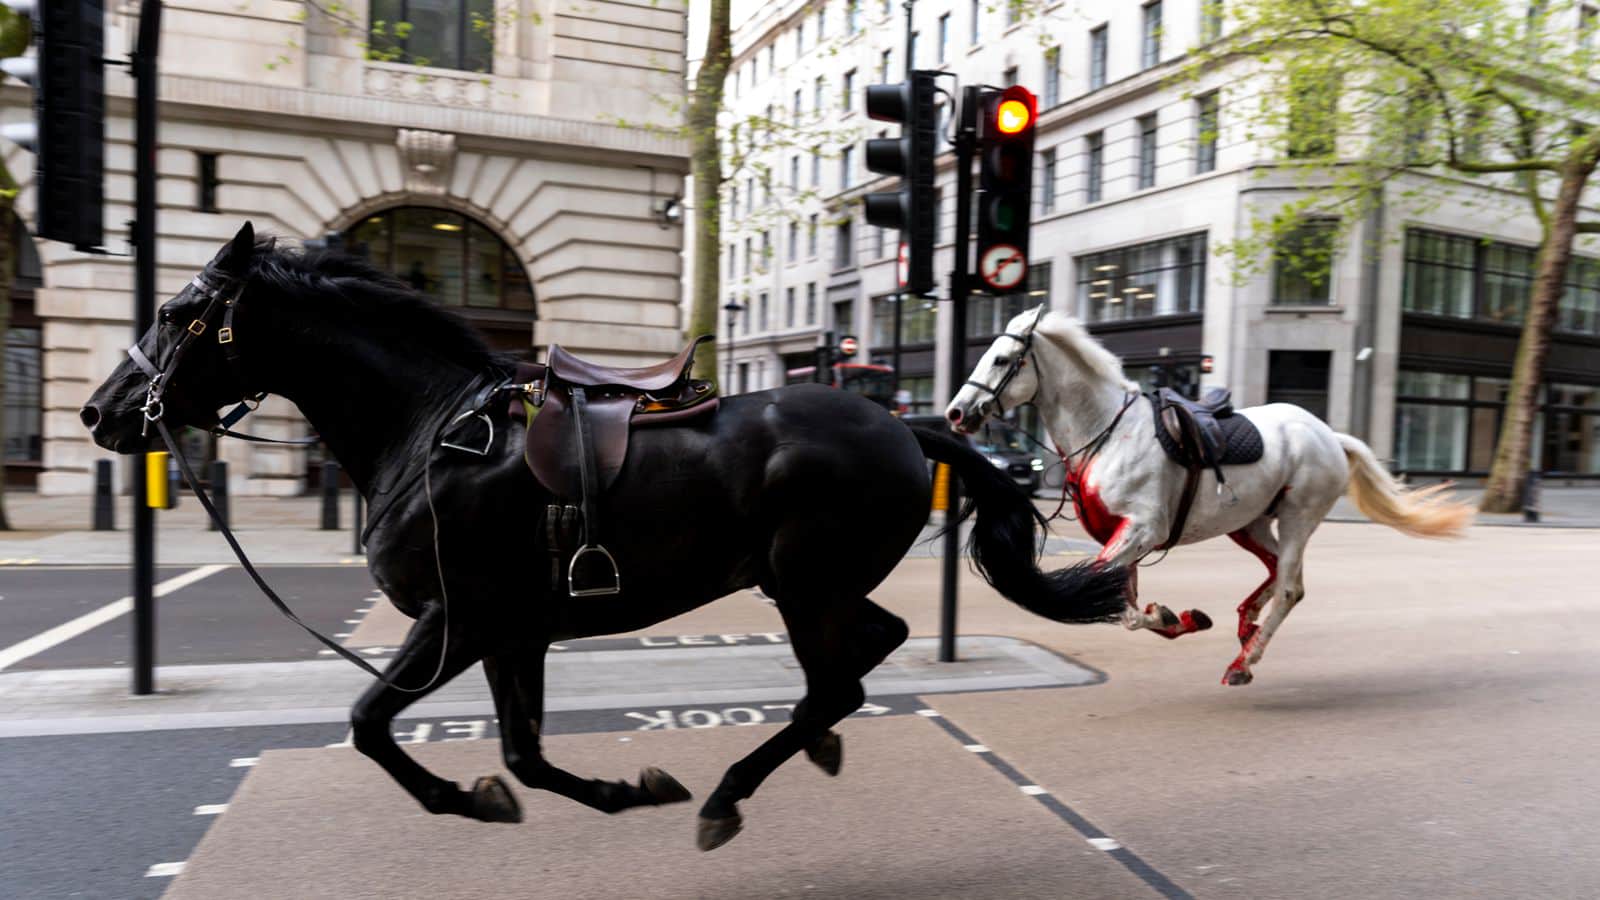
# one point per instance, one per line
(90, 416)
(954, 415)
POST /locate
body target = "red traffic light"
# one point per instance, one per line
(1014, 112)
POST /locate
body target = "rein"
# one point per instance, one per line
(154, 410)
(1026, 340)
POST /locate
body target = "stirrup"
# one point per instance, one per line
(572, 570)
(475, 451)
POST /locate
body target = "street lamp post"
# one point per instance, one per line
(732, 308)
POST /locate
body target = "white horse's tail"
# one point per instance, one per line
(1426, 512)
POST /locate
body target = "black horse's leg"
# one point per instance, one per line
(518, 687)
(836, 645)
(879, 635)
(414, 666)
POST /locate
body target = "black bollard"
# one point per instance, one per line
(1530, 498)
(330, 496)
(219, 494)
(355, 524)
(105, 509)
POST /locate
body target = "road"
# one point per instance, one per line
(1424, 725)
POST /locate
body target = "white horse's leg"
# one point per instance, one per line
(1294, 531)
(1131, 542)
(1257, 538)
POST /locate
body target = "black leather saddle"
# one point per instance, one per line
(1204, 433)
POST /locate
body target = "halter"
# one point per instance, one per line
(1026, 340)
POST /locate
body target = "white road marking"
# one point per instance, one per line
(164, 870)
(342, 634)
(66, 631)
(243, 762)
(977, 748)
(352, 621)
(210, 809)
(930, 713)
(1106, 844)
(324, 652)
(1032, 790)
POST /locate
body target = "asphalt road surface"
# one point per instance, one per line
(1423, 726)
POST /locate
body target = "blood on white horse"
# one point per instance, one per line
(1126, 491)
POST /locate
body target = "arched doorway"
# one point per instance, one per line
(456, 260)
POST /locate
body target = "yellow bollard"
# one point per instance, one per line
(155, 479)
(941, 487)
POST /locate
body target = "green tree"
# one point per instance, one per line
(1364, 94)
(16, 32)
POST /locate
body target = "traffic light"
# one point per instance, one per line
(67, 136)
(910, 156)
(1005, 182)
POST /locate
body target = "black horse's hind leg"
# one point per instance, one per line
(518, 687)
(836, 647)
(414, 666)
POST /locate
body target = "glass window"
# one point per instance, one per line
(1047, 181)
(788, 307)
(1205, 138)
(1094, 169)
(847, 168)
(1580, 303)
(1097, 58)
(1302, 264)
(446, 255)
(1155, 279)
(1150, 45)
(1052, 77)
(944, 37)
(852, 16)
(847, 92)
(1429, 437)
(844, 251)
(1507, 282)
(1147, 151)
(1210, 20)
(445, 34)
(975, 19)
(1439, 274)
(24, 410)
(1313, 102)
(811, 303)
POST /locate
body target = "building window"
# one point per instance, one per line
(761, 312)
(1579, 310)
(811, 238)
(880, 242)
(1441, 275)
(1302, 264)
(766, 250)
(1299, 377)
(1588, 17)
(794, 173)
(918, 321)
(852, 16)
(822, 23)
(749, 195)
(1097, 58)
(205, 178)
(975, 32)
(988, 315)
(1161, 278)
(1052, 77)
(446, 255)
(944, 38)
(1467, 278)
(847, 93)
(444, 34)
(937, 213)
(794, 241)
(1094, 170)
(911, 48)
(1013, 11)
(1047, 181)
(844, 245)
(798, 106)
(24, 409)
(816, 167)
(818, 92)
(1210, 20)
(844, 316)
(847, 167)
(1313, 105)
(799, 39)
(1147, 151)
(733, 261)
(788, 307)
(883, 66)
(772, 59)
(733, 202)
(749, 257)
(1008, 78)
(1150, 42)
(1205, 138)
(1507, 282)
(811, 303)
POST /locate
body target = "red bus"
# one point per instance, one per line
(874, 382)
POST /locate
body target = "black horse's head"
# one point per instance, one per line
(185, 347)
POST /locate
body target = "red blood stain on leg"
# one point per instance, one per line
(1251, 607)
(1101, 523)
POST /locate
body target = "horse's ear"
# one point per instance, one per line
(235, 257)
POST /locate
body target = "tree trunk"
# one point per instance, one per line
(1512, 452)
(706, 165)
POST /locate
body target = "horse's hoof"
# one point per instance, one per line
(828, 753)
(713, 833)
(492, 801)
(1201, 620)
(1235, 677)
(661, 787)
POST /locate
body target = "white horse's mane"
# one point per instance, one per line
(1069, 334)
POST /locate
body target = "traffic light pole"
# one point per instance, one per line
(960, 276)
(144, 308)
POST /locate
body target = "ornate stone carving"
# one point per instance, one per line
(426, 85)
(426, 157)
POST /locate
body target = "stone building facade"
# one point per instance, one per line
(1407, 341)
(512, 158)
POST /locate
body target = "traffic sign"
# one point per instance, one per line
(848, 346)
(1003, 267)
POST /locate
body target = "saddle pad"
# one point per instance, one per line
(1242, 443)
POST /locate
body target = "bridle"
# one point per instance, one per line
(1016, 366)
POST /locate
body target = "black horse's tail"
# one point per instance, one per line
(1005, 547)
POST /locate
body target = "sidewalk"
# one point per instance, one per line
(55, 530)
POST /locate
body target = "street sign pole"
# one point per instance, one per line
(966, 143)
(144, 308)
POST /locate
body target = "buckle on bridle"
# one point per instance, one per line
(225, 335)
(196, 327)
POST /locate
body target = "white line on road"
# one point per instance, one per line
(1106, 844)
(243, 762)
(163, 870)
(66, 631)
(211, 809)
(1032, 790)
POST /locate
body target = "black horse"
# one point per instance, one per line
(812, 494)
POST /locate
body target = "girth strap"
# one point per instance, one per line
(585, 439)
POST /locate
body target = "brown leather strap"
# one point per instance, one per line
(1191, 485)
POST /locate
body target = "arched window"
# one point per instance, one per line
(446, 255)
(446, 34)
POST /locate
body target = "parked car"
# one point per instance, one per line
(1001, 445)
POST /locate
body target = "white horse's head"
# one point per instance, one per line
(1005, 378)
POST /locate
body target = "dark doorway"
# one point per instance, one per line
(1299, 377)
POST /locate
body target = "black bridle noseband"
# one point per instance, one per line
(1021, 360)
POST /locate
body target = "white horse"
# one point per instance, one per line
(1127, 492)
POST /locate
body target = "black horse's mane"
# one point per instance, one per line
(377, 298)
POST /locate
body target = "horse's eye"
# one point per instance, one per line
(1002, 361)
